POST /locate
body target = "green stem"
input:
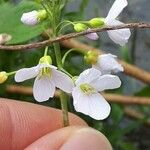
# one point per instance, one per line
(64, 107)
(67, 24)
(68, 52)
(11, 73)
(58, 55)
(46, 51)
(66, 72)
(63, 97)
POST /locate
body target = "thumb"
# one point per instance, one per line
(72, 138)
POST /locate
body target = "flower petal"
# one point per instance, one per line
(116, 9)
(62, 81)
(93, 105)
(107, 63)
(107, 82)
(43, 88)
(26, 73)
(92, 36)
(119, 36)
(88, 76)
(30, 18)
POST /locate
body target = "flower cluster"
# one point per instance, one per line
(87, 87)
(85, 90)
(120, 36)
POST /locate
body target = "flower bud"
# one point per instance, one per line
(45, 60)
(42, 14)
(34, 17)
(3, 77)
(79, 27)
(91, 57)
(97, 22)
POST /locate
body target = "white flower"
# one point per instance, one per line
(119, 36)
(86, 96)
(30, 18)
(107, 63)
(47, 79)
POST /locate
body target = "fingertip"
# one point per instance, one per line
(72, 138)
(87, 139)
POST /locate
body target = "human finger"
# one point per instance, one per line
(22, 123)
(72, 138)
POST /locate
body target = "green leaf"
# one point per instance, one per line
(10, 22)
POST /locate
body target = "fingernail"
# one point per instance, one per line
(87, 139)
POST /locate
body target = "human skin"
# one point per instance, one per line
(34, 127)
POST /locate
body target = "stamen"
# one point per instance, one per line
(87, 88)
(45, 72)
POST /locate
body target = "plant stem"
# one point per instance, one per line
(63, 97)
(68, 52)
(11, 73)
(64, 107)
(58, 55)
(46, 51)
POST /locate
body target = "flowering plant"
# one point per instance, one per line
(86, 87)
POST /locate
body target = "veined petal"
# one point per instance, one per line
(92, 36)
(62, 81)
(30, 18)
(107, 82)
(97, 66)
(116, 9)
(43, 88)
(119, 36)
(93, 105)
(88, 76)
(107, 63)
(26, 73)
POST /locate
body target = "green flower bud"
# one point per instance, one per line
(42, 15)
(79, 27)
(91, 57)
(3, 77)
(97, 22)
(45, 60)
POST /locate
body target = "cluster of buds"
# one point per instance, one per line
(93, 23)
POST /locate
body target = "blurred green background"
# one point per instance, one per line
(124, 133)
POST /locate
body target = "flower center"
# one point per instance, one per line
(46, 71)
(87, 88)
